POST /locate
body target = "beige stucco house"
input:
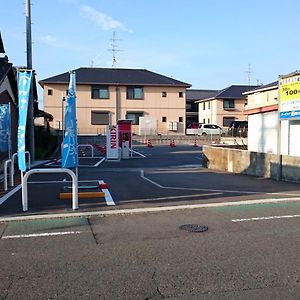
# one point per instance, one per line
(264, 123)
(224, 106)
(105, 95)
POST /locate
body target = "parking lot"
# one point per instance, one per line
(153, 177)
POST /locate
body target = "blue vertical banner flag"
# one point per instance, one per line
(69, 147)
(4, 127)
(24, 83)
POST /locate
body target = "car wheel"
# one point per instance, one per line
(204, 133)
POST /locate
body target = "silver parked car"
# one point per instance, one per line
(206, 129)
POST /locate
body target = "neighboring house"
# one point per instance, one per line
(263, 123)
(224, 106)
(105, 95)
(193, 95)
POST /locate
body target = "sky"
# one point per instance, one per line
(208, 44)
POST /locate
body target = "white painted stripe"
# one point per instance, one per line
(213, 190)
(10, 193)
(149, 180)
(266, 218)
(108, 198)
(138, 153)
(147, 209)
(20, 236)
(172, 197)
(99, 162)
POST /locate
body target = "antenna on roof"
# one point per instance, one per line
(249, 72)
(114, 49)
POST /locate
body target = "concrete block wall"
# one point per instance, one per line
(252, 163)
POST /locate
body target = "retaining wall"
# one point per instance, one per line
(252, 163)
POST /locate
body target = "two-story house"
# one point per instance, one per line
(105, 95)
(224, 106)
(193, 95)
(263, 123)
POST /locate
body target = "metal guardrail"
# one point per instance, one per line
(48, 171)
(13, 165)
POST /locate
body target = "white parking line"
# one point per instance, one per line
(266, 218)
(108, 198)
(99, 162)
(138, 153)
(10, 193)
(213, 190)
(20, 236)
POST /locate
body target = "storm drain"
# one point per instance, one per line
(193, 227)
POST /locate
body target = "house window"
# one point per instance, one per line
(50, 92)
(134, 116)
(227, 121)
(100, 118)
(164, 119)
(227, 104)
(180, 120)
(135, 92)
(204, 121)
(164, 94)
(208, 120)
(203, 105)
(100, 92)
(180, 94)
(208, 104)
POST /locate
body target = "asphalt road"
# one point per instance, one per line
(147, 256)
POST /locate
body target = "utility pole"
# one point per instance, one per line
(30, 116)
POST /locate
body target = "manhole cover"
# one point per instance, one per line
(193, 227)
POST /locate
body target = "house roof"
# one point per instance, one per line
(1, 45)
(114, 76)
(194, 95)
(7, 71)
(231, 92)
(269, 86)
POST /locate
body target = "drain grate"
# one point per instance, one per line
(193, 227)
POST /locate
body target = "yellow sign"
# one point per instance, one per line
(289, 89)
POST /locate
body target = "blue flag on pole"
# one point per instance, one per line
(4, 127)
(24, 83)
(69, 148)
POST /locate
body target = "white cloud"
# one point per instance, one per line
(104, 21)
(52, 41)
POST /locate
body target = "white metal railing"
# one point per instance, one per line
(88, 146)
(45, 171)
(13, 165)
(6, 164)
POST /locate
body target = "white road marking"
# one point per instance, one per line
(266, 218)
(108, 198)
(149, 180)
(146, 209)
(20, 236)
(212, 190)
(171, 197)
(138, 153)
(10, 193)
(99, 162)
